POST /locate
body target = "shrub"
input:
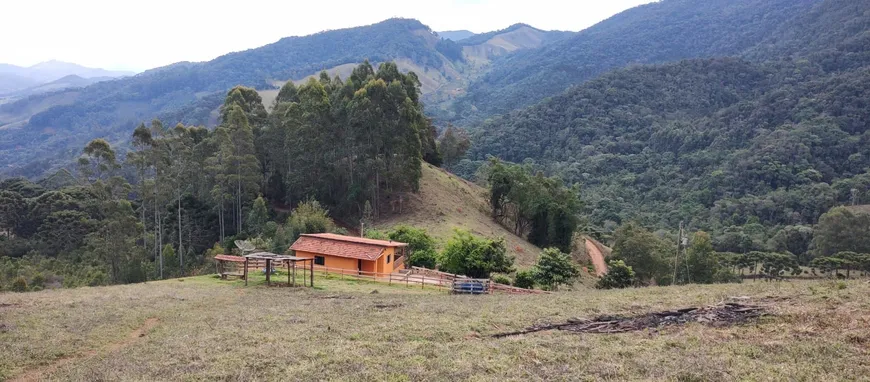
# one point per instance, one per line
(501, 279)
(555, 268)
(525, 279)
(423, 258)
(310, 217)
(19, 285)
(376, 234)
(420, 245)
(38, 280)
(466, 254)
(618, 275)
(725, 275)
(97, 278)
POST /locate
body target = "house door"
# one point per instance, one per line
(359, 265)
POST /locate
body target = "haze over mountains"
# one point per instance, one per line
(16, 78)
(456, 35)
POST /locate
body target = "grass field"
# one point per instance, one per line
(202, 328)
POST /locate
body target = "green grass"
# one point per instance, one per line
(207, 329)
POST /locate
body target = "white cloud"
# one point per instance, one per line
(118, 34)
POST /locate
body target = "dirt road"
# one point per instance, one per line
(597, 257)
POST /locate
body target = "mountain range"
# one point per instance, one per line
(17, 79)
(457, 35)
(44, 131)
(723, 113)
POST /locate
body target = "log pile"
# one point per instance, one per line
(715, 315)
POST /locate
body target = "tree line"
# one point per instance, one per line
(641, 257)
(342, 145)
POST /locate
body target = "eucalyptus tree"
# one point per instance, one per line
(241, 166)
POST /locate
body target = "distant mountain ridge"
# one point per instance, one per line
(457, 36)
(15, 78)
(773, 136)
(70, 81)
(660, 32)
(54, 126)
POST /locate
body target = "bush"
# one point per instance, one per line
(376, 234)
(501, 279)
(525, 279)
(724, 275)
(134, 272)
(310, 217)
(420, 245)
(97, 278)
(555, 268)
(19, 285)
(423, 258)
(469, 255)
(38, 281)
(618, 276)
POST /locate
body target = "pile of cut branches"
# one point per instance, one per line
(715, 315)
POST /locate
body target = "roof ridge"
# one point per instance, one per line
(354, 239)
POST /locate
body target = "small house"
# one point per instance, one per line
(350, 253)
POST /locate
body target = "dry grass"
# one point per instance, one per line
(205, 329)
(446, 202)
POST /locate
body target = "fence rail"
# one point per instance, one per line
(411, 277)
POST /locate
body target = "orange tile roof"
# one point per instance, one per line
(354, 239)
(343, 246)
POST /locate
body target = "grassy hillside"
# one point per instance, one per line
(205, 329)
(446, 202)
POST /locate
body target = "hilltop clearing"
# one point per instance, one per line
(202, 328)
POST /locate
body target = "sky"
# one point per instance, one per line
(137, 35)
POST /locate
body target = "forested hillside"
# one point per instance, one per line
(660, 32)
(190, 92)
(342, 145)
(742, 148)
(44, 132)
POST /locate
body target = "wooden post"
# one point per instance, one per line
(288, 272)
(294, 273)
(246, 271)
(268, 271)
(312, 273)
(303, 275)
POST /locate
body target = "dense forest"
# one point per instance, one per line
(346, 145)
(189, 92)
(659, 32)
(741, 148)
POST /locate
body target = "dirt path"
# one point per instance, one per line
(37, 374)
(597, 257)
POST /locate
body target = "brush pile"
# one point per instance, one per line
(716, 315)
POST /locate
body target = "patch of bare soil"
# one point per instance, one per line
(597, 258)
(716, 315)
(37, 374)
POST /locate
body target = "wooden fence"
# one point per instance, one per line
(412, 277)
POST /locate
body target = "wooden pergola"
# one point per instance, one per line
(290, 261)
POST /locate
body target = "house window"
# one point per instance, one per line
(388, 258)
(319, 260)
